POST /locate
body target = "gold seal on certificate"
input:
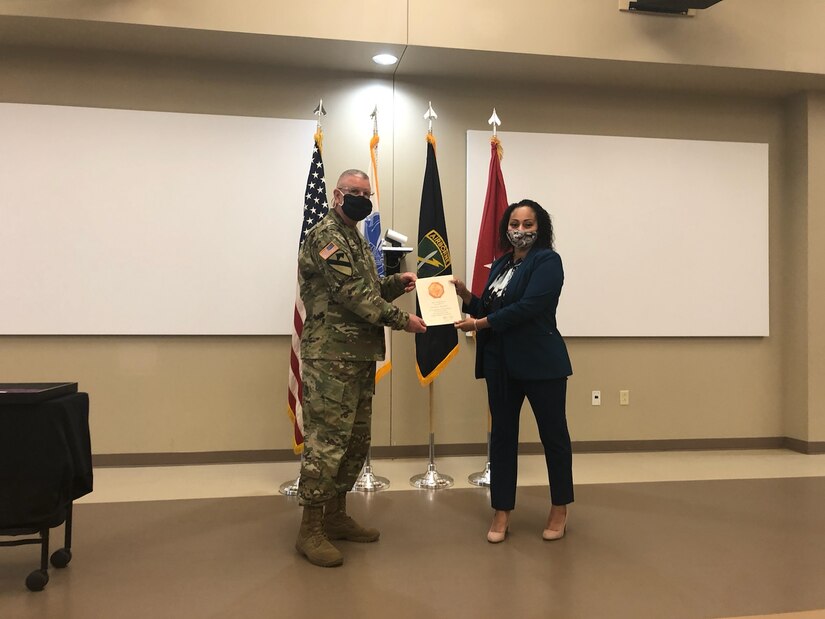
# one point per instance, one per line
(438, 300)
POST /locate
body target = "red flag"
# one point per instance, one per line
(315, 207)
(495, 203)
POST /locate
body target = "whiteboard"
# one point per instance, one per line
(658, 237)
(135, 222)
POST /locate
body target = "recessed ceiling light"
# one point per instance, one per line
(384, 59)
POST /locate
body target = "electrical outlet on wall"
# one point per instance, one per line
(624, 397)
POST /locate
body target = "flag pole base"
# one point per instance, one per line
(368, 482)
(481, 478)
(431, 480)
(290, 488)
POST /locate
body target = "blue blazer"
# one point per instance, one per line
(533, 348)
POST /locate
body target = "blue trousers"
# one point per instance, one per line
(547, 399)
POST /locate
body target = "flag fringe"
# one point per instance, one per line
(499, 147)
(382, 371)
(374, 164)
(297, 449)
(319, 139)
(426, 380)
(431, 140)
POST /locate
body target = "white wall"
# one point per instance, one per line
(658, 237)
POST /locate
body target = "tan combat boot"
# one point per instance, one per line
(312, 543)
(338, 525)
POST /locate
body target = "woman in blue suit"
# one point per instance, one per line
(520, 353)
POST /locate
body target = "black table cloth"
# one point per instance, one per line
(45, 460)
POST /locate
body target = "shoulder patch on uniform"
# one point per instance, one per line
(328, 251)
(340, 262)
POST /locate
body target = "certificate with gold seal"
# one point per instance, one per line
(438, 300)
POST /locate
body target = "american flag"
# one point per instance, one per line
(315, 207)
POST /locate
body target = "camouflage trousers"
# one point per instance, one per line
(337, 411)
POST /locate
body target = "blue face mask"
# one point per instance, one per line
(520, 239)
(356, 207)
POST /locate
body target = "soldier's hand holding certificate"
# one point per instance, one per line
(438, 300)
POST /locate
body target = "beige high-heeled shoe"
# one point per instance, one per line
(496, 537)
(554, 534)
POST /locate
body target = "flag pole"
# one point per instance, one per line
(482, 478)
(290, 487)
(368, 481)
(432, 479)
(494, 121)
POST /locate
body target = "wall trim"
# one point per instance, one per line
(461, 449)
(805, 447)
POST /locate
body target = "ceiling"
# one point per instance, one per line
(326, 55)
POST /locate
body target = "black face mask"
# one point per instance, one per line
(356, 207)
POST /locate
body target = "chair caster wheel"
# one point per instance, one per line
(37, 580)
(60, 558)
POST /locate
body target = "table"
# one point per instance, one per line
(45, 464)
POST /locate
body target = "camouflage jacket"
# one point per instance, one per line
(347, 304)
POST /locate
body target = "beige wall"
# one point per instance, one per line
(680, 387)
(758, 34)
(793, 288)
(816, 266)
(366, 20)
(156, 394)
(190, 394)
(803, 287)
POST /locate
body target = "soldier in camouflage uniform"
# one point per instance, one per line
(347, 307)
